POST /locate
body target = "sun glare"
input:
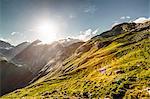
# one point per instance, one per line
(47, 31)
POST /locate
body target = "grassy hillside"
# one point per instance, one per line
(113, 67)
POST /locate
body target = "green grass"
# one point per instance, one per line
(119, 70)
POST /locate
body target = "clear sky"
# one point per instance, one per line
(19, 19)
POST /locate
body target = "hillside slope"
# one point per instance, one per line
(12, 76)
(107, 66)
(27, 62)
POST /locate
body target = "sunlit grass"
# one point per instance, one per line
(112, 71)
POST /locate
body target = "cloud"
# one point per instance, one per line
(128, 17)
(122, 17)
(71, 16)
(141, 20)
(14, 33)
(90, 9)
(138, 20)
(120, 20)
(125, 17)
(87, 34)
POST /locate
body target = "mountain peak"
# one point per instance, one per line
(4, 44)
(125, 27)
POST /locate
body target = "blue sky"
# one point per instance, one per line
(19, 17)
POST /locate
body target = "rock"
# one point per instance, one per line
(46, 93)
(85, 94)
(83, 48)
(119, 71)
(102, 44)
(132, 78)
(107, 97)
(125, 27)
(118, 29)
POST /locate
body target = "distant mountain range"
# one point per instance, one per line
(35, 59)
(114, 64)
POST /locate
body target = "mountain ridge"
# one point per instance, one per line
(32, 57)
(114, 64)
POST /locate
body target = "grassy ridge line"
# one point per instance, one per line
(119, 70)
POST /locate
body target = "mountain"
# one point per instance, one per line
(56, 59)
(16, 50)
(125, 27)
(12, 76)
(35, 57)
(10, 51)
(4, 47)
(112, 65)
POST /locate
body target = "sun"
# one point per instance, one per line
(47, 31)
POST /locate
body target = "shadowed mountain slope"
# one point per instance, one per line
(12, 76)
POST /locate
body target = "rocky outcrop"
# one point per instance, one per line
(125, 27)
(84, 48)
(4, 44)
(5, 47)
(118, 29)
